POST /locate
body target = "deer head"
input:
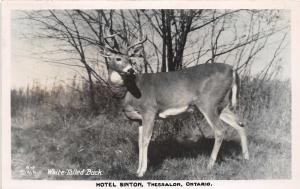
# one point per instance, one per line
(120, 66)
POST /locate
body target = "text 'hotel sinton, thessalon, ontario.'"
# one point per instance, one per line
(151, 184)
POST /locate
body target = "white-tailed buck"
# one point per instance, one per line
(212, 88)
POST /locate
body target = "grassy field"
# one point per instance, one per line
(55, 129)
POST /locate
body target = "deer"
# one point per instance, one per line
(211, 88)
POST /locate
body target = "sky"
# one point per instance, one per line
(28, 69)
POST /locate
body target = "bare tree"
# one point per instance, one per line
(176, 38)
(82, 34)
(182, 30)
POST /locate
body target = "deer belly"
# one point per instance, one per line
(173, 111)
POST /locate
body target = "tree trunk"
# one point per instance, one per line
(141, 36)
(92, 101)
(169, 44)
(163, 58)
(185, 29)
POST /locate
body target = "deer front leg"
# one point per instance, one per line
(145, 133)
(140, 147)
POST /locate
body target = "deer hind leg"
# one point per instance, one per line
(145, 133)
(216, 124)
(231, 119)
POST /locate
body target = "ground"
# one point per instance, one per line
(52, 133)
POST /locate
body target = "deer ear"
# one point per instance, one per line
(129, 81)
(137, 52)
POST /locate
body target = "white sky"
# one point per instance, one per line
(27, 69)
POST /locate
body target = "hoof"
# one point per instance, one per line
(209, 167)
(246, 156)
(140, 175)
(210, 164)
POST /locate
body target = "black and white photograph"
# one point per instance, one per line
(156, 94)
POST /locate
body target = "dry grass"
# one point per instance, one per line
(55, 129)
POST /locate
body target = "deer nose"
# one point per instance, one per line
(131, 71)
(128, 67)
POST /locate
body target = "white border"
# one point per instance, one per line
(6, 80)
(148, 4)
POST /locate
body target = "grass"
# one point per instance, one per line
(56, 129)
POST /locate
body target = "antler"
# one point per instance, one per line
(112, 44)
(138, 43)
(108, 46)
(111, 35)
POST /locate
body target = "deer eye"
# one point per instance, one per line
(118, 59)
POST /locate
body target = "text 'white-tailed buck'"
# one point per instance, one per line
(212, 88)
